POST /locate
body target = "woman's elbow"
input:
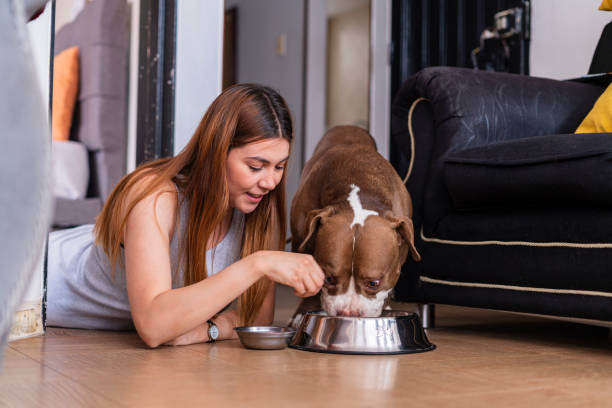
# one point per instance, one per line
(150, 341)
(149, 334)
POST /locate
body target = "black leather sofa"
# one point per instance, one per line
(512, 210)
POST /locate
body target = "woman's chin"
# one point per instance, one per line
(246, 207)
(247, 210)
(244, 204)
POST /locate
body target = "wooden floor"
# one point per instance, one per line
(483, 359)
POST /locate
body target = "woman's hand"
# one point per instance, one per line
(300, 271)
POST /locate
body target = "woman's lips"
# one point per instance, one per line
(253, 198)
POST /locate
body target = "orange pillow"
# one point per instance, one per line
(65, 88)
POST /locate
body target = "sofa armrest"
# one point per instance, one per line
(411, 155)
(475, 108)
(479, 107)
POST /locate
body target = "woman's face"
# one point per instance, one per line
(255, 169)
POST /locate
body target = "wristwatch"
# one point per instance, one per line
(213, 331)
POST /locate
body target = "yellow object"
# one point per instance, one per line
(606, 5)
(599, 119)
(65, 89)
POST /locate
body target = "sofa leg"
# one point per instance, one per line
(427, 313)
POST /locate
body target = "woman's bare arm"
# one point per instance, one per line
(226, 322)
(161, 313)
(265, 317)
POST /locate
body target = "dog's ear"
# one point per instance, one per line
(404, 227)
(313, 219)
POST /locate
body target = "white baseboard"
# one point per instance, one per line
(27, 321)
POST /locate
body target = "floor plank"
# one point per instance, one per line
(25, 382)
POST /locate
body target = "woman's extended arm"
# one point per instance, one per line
(161, 313)
(226, 322)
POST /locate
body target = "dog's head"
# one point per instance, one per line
(361, 255)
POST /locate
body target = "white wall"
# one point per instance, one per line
(259, 23)
(199, 59)
(564, 36)
(66, 11)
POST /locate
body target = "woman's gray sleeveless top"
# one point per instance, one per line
(81, 292)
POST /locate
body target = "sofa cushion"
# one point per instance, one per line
(69, 213)
(70, 165)
(557, 170)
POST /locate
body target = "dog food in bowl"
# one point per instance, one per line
(264, 337)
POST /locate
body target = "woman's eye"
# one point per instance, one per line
(373, 284)
(255, 168)
(280, 167)
(330, 280)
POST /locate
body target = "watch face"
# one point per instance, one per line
(213, 331)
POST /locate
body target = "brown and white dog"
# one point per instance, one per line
(352, 212)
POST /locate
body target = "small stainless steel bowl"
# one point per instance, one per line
(264, 337)
(395, 332)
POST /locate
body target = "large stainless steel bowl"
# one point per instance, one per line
(395, 332)
(264, 337)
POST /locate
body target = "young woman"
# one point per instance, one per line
(180, 238)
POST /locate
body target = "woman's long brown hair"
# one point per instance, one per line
(242, 114)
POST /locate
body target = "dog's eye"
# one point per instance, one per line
(330, 280)
(373, 284)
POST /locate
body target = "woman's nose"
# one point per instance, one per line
(268, 181)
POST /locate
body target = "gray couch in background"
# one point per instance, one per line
(101, 31)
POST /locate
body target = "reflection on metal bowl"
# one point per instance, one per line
(395, 332)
